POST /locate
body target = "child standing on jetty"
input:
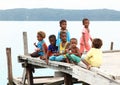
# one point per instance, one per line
(84, 40)
(73, 52)
(63, 25)
(94, 56)
(60, 56)
(52, 48)
(41, 47)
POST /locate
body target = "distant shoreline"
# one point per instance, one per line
(47, 14)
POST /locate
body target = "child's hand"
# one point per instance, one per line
(66, 50)
(56, 54)
(35, 44)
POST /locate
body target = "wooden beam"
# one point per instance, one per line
(29, 75)
(9, 63)
(67, 79)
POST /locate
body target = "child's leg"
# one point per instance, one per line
(86, 63)
(87, 47)
(52, 58)
(75, 58)
(81, 49)
(59, 58)
(34, 54)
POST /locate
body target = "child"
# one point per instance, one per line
(94, 56)
(52, 48)
(63, 25)
(73, 52)
(63, 45)
(84, 40)
(41, 47)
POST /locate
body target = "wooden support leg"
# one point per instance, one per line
(29, 75)
(24, 76)
(9, 63)
(67, 79)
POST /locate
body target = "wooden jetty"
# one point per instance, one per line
(107, 74)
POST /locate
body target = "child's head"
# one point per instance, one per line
(40, 35)
(73, 42)
(63, 24)
(63, 36)
(52, 39)
(85, 22)
(97, 43)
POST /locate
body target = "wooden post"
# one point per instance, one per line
(25, 43)
(29, 75)
(67, 79)
(25, 53)
(111, 46)
(9, 62)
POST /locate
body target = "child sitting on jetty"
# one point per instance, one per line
(52, 48)
(73, 52)
(94, 56)
(41, 47)
(60, 56)
(63, 25)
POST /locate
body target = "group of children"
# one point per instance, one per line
(64, 48)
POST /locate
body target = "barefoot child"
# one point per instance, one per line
(84, 40)
(94, 56)
(73, 52)
(41, 47)
(52, 48)
(63, 25)
(62, 46)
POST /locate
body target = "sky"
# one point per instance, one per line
(61, 4)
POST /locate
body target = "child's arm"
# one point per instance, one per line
(68, 36)
(47, 56)
(44, 49)
(84, 38)
(90, 38)
(77, 52)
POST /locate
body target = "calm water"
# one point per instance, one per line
(11, 36)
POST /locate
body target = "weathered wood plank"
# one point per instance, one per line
(74, 70)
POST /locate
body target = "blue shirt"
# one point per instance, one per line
(59, 40)
(53, 49)
(40, 46)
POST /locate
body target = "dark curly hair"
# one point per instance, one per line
(97, 43)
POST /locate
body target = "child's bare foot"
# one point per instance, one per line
(88, 67)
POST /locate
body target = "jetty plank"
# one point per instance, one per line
(88, 76)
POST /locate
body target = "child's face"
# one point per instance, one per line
(52, 41)
(63, 25)
(86, 23)
(73, 43)
(63, 37)
(39, 38)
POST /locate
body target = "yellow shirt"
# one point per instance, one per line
(62, 49)
(94, 57)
